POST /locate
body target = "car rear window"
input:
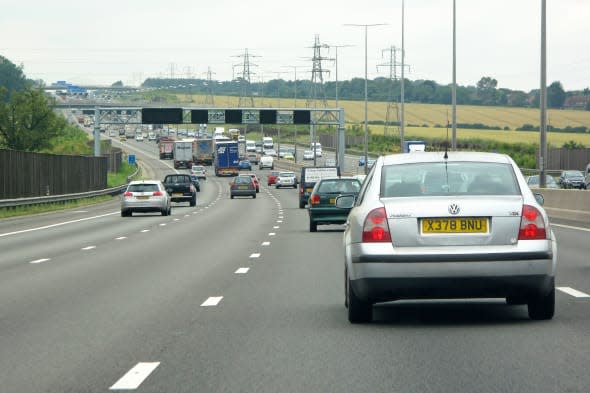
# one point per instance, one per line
(178, 179)
(456, 178)
(143, 188)
(339, 186)
(243, 180)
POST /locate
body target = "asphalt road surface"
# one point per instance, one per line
(237, 296)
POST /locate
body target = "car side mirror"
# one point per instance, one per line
(540, 199)
(345, 201)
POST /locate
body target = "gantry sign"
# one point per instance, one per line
(150, 115)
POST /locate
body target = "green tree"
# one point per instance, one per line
(11, 78)
(555, 95)
(117, 84)
(486, 90)
(28, 122)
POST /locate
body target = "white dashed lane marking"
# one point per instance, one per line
(271, 234)
(40, 260)
(135, 376)
(255, 255)
(242, 270)
(163, 224)
(145, 230)
(121, 238)
(276, 227)
(572, 292)
(266, 244)
(212, 301)
(88, 248)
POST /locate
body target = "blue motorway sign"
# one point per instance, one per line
(131, 159)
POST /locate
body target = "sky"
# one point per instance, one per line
(106, 41)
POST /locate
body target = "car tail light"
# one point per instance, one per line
(376, 228)
(192, 188)
(315, 199)
(128, 194)
(532, 225)
(158, 193)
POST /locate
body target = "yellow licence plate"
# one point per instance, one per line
(308, 189)
(455, 225)
(243, 187)
(332, 201)
(177, 194)
(143, 197)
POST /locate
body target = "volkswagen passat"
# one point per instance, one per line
(464, 225)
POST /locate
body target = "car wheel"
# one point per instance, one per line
(313, 226)
(254, 196)
(193, 201)
(164, 212)
(231, 197)
(542, 307)
(359, 311)
(301, 205)
(124, 213)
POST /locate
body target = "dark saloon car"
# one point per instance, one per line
(242, 186)
(322, 201)
(571, 179)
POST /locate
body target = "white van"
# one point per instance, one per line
(250, 146)
(266, 162)
(318, 148)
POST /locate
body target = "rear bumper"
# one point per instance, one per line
(328, 215)
(388, 289)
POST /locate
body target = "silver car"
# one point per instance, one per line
(465, 226)
(286, 179)
(145, 196)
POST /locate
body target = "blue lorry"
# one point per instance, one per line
(227, 158)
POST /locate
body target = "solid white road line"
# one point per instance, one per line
(266, 244)
(57, 225)
(242, 270)
(121, 238)
(135, 376)
(88, 248)
(212, 301)
(40, 260)
(255, 255)
(571, 227)
(573, 292)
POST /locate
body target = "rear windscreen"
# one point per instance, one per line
(339, 186)
(143, 188)
(456, 178)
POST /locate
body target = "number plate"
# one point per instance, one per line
(454, 225)
(308, 189)
(243, 187)
(143, 197)
(332, 201)
(177, 194)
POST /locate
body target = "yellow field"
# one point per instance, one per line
(430, 115)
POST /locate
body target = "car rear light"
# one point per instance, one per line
(158, 193)
(376, 228)
(532, 225)
(315, 199)
(128, 194)
(192, 188)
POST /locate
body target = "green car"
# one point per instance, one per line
(322, 201)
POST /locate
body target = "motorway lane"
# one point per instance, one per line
(77, 318)
(83, 319)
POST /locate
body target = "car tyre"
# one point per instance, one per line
(301, 205)
(231, 197)
(193, 201)
(124, 213)
(165, 212)
(254, 196)
(542, 307)
(313, 226)
(359, 311)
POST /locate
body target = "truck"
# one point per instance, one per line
(310, 176)
(166, 147)
(226, 158)
(183, 154)
(242, 150)
(203, 154)
(413, 146)
(267, 143)
(181, 188)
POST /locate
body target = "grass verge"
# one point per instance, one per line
(8, 212)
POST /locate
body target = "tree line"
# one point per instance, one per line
(485, 92)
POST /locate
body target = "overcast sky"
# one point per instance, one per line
(104, 41)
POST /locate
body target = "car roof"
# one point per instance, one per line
(453, 156)
(144, 182)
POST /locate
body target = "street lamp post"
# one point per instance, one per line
(337, 102)
(295, 106)
(366, 139)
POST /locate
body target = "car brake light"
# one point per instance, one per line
(532, 225)
(315, 199)
(158, 193)
(128, 194)
(376, 228)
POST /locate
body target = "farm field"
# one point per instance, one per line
(422, 118)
